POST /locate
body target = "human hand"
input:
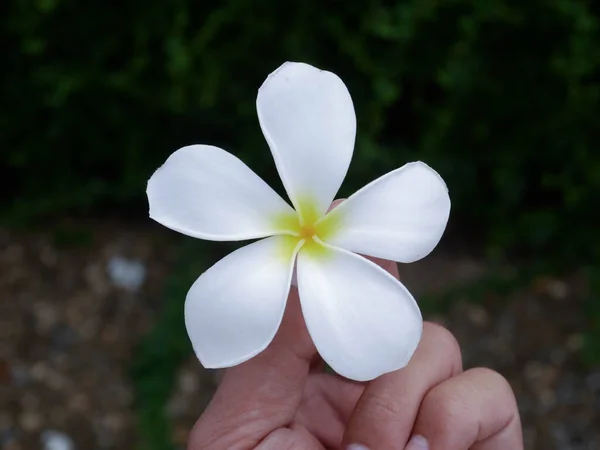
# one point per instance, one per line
(282, 399)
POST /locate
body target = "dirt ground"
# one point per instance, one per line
(71, 315)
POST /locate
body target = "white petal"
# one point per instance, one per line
(307, 117)
(234, 309)
(362, 320)
(205, 192)
(400, 216)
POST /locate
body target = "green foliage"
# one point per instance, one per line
(162, 352)
(501, 97)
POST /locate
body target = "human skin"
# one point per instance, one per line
(282, 400)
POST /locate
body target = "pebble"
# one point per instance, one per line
(48, 256)
(558, 289)
(19, 374)
(94, 275)
(114, 422)
(46, 316)
(574, 342)
(30, 421)
(478, 315)
(188, 382)
(127, 274)
(79, 403)
(593, 381)
(56, 440)
(67, 336)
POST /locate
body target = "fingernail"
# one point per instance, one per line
(357, 447)
(417, 442)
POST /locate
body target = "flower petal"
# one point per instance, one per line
(400, 216)
(234, 309)
(307, 117)
(205, 192)
(362, 320)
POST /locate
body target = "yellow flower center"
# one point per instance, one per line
(307, 225)
(307, 232)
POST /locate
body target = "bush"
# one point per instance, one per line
(501, 97)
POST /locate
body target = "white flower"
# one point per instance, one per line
(362, 320)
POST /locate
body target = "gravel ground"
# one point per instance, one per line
(70, 317)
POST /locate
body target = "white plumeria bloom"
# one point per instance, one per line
(362, 320)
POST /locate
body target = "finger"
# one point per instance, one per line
(271, 383)
(261, 394)
(387, 410)
(326, 407)
(475, 410)
(295, 437)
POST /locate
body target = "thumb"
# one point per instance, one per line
(262, 394)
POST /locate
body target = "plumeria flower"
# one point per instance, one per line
(363, 321)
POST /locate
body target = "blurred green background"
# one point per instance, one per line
(500, 97)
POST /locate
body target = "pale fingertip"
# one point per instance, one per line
(357, 447)
(417, 442)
